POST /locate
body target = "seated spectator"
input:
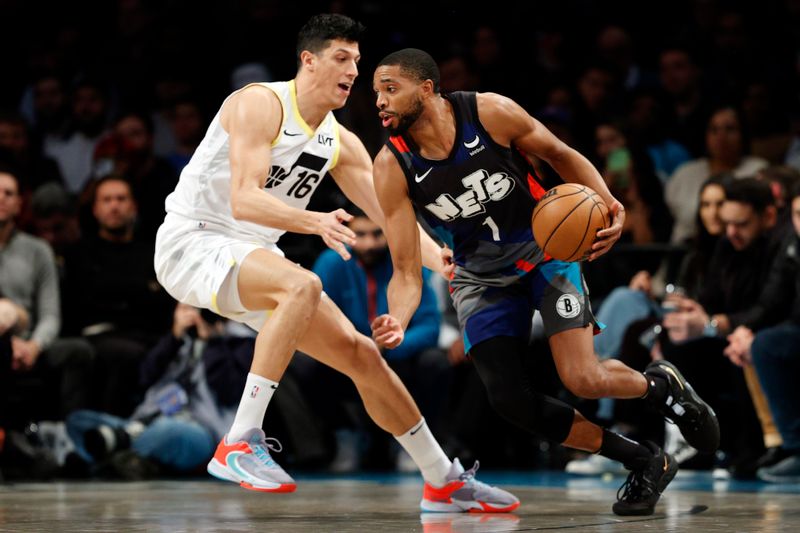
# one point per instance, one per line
(727, 148)
(358, 286)
(112, 296)
(737, 272)
(40, 362)
(189, 375)
(767, 340)
(32, 167)
(55, 219)
(127, 152)
(188, 127)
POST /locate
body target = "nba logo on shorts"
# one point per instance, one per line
(254, 392)
(568, 306)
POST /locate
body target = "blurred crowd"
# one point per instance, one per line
(689, 109)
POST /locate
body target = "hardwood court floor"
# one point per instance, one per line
(386, 504)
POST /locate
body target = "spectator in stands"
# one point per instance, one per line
(727, 148)
(74, 150)
(358, 286)
(188, 406)
(696, 331)
(188, 126)
(40, 363)
(768, 338)
(685, 99)
(112, 297)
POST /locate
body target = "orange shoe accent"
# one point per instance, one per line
(224, 449)
(489, 509)
(289, 487)
(431, 493)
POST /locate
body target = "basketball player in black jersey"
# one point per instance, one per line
(463, 161)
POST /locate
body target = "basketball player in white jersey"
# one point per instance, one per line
(249, 181)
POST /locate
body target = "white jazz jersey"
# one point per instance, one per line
(300, 159)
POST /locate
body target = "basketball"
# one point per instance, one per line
(566, 220)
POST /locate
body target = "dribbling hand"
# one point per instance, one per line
(334, 233)
(387, 332)
(607, 237)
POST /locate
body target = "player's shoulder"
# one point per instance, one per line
(491, 104)
(386, 161)
(255, 95)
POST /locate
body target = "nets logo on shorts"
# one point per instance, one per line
(568, 306)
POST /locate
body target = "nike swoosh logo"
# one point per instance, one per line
(473, 143)
(413, 431)
(274, 387)
(419, 178)
(291, 134)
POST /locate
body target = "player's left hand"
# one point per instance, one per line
(448, 267)
(607, 237)
(387, 332)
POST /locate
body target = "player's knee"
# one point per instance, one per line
(304, 288)
(367, 361)
(588, 383)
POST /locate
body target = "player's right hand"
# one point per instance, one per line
(387, 332)
(334, 233)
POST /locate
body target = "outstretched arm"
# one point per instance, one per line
(510, 124)
(252, 119)
(353, 174)
(402, 234)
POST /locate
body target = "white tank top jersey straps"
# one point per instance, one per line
(200, 244)
(300, 158)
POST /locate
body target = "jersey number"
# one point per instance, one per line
(304, 184)
(495, 230)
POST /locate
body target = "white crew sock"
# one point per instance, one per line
(426, 453)
(257, 393)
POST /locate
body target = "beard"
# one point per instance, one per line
(406, 120)
(370, 258)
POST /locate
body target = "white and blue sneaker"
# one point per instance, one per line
(248, 463)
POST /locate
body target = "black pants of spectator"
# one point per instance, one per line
(58, 383)
(115, 388)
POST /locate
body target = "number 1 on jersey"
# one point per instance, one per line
(495, 230)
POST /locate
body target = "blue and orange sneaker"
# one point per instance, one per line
(248, 463)
(464, 493)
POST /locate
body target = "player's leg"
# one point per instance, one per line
(334, 341)
(498, 361)
(559, 292)
(585, 375)
(264, 281)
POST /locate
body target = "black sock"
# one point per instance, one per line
(657, 389)
(628, 452)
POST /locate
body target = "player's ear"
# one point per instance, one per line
(427, 88)
(308, 60)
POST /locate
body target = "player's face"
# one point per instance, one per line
(711, 199)
(337, 68)
(742, 224)
(9, 198)
(397, 97)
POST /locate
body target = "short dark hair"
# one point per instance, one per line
(416, 63)
(139, 115)
(750, 191)
(315, 34)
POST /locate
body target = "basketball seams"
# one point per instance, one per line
(563, 219)
(566, 243)
(548, 201)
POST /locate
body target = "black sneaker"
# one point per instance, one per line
(644, 486)
(694, 417)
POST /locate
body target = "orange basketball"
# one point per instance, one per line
(566, 221)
